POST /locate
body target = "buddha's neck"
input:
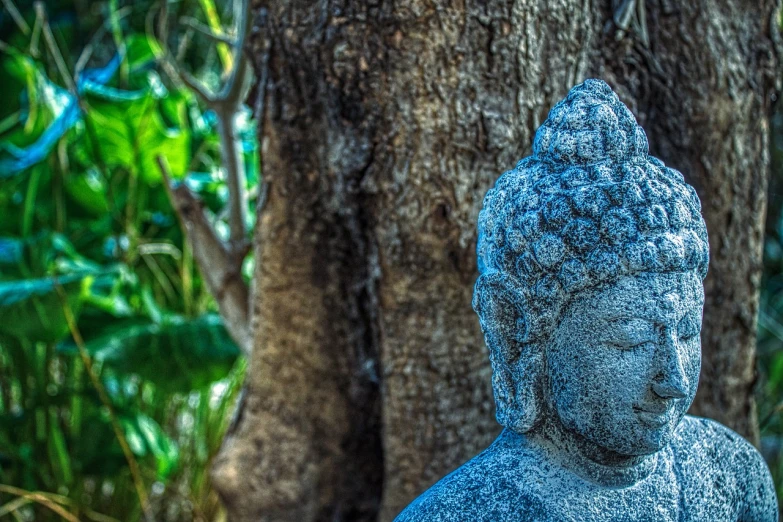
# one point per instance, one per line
(587, 459)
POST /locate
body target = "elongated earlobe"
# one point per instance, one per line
(517, 388)
(527, 406)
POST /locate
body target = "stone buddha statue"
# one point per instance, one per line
(591, 257)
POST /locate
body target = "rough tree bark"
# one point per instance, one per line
(384, 125)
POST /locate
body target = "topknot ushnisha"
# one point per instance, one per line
(590, 125)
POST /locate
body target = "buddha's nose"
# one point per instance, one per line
(671, 382)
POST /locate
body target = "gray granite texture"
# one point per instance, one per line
(591, 257)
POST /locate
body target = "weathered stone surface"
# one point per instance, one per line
(592, 255)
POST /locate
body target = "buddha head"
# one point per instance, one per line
(591, 258)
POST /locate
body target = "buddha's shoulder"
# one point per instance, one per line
(488, 487)
(706, 440)
(712, 458)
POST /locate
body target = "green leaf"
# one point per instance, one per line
(145, 438)
(177, 355)
(775, 371)
(43, 254)
(46, 112)
(97, 452)
(133, 133)
(32, 309)
(133, 437)
(28, 92)
(141, 50)
(88, 189)
(58, 452)
(159, 445)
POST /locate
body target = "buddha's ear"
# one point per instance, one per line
(516, 364)
(500, 311)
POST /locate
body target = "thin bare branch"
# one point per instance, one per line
(194, 24)
(195, 85)
(16, 16)
(36, 36)
(86, 54)
(220, 262)
(180, 75)
(54, 49)
(40, 498)
(232, 90)
(182, 46)
(210, 11)
(84, 57)
(26, 495)
(14, 505)
(174, 69)
(221, 267)
(235, 176)
(226, 104)
(231, 97)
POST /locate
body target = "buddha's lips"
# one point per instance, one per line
(656, 414)
(658, 409)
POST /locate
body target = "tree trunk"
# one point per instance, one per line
(384, 125)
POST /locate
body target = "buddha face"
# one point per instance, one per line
(624, 361)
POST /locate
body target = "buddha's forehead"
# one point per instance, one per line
(661, 297)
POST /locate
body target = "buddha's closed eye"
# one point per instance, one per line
(628, 345)
(629, 333)
(689, 327)
(634, 333)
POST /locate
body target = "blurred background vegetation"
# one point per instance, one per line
(769, 364)
(117, 378)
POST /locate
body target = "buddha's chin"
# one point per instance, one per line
(654, 443)
(642, 442)
(651, 440)
(648, 434)
(639, 437)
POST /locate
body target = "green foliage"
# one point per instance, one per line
(133, 132)
(176, 355)
(769, 393)
(87, 225)
(33, 310)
